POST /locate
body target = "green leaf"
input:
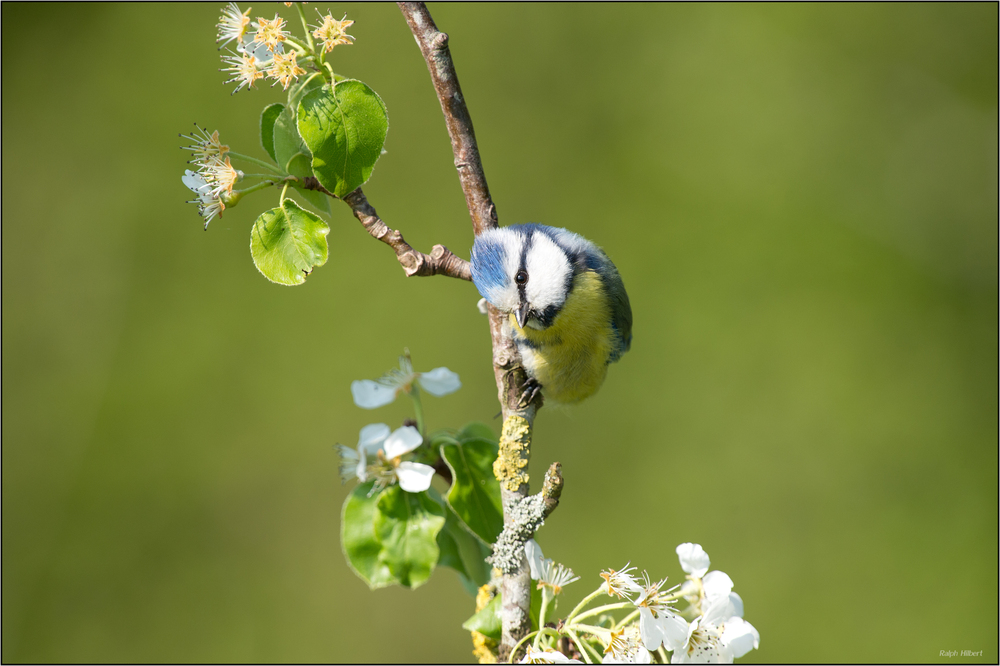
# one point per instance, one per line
(287, 243)
(449, 555)
(357, 538)
(299, 166)
(267, 118)
(344, 128)
(407, 524)
(486, 621)
(474, 492)
(299, 89)
(461, 550)
(287, 141)
(476, 430)
(440, 437)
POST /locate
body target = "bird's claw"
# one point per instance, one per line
(532, 389)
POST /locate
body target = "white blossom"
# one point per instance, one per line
(354, 464)
(387, 449)
(371, 394)
(259, 51)
(658, 621)
(717, 637)
(532, 656)
(624, 647)
(232, 24)
(694, 559)
(621, 583)
(209, 203)
(547, 572)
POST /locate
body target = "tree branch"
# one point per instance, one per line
(441, 260)
(434, 48)
(515, 441)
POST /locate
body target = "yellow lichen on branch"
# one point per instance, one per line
(483, 647)
(515, 442)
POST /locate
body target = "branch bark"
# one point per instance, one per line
(515, 442)
(441, 260)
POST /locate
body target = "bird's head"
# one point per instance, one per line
(524, 269)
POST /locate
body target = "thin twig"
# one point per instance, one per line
(434, 48)
(441, 260)
(515, 443)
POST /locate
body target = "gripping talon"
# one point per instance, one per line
(532, 390)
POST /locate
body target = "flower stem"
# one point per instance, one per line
(543, 630)
(591, 629)
(584, 648)
(305, 28)
(254, 160)
(266, 176)
(418, 407)
(299, 46)
(602, 609)
(546, 596)
(521, 642)
(663, 655)
(284, 190)
(627, 618)
(586, 600)
(236, 195)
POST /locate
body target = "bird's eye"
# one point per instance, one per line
(521, 277)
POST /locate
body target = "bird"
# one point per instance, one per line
(566, 304)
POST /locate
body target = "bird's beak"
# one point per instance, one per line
(521, 314)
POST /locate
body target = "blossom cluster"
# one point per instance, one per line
(378, 456)
(214, 176)
(710, 630)
(261, 46)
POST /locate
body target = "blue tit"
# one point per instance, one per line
(567, 306)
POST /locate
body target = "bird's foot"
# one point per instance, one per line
(532, 389)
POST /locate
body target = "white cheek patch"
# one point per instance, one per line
(549, 272)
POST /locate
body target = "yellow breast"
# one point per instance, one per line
(570, 358)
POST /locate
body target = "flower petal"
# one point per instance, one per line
(439, 381)
(675, 631)
(718, 612)
(533, 656)
(694, 559)
(197, 184)
(740, 636)
(414, 477)
(737, 603)
(649, 629)
(680, 653)
(369, 394)
(350, 463)
(402, 441)
(716, 584)
(535, 558)
(372, 436)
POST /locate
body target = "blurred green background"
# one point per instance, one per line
(802, 200)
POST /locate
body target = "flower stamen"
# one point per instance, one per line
(332, 32)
